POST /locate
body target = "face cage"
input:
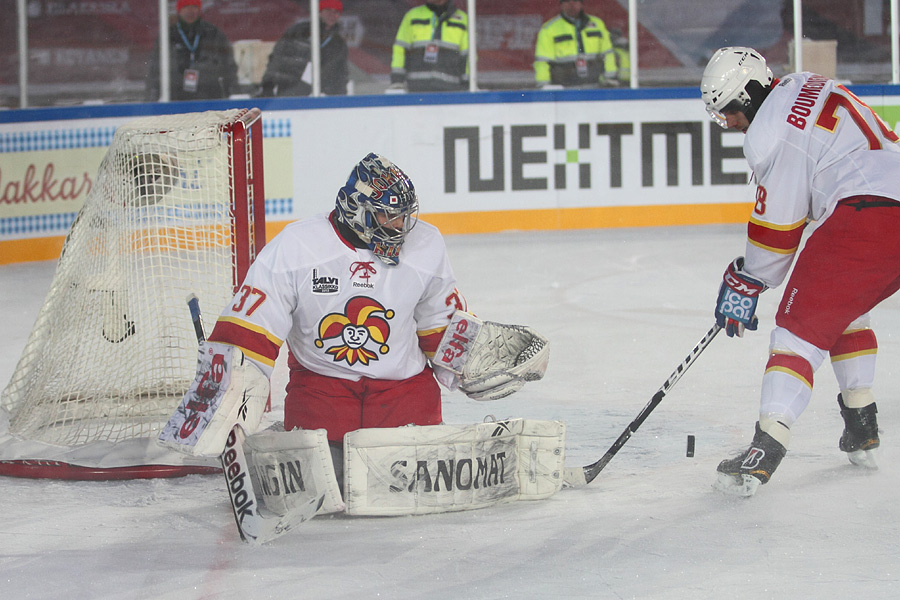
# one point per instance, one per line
(383, 233)
(718, 116)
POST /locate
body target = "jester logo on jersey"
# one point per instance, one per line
(356, 327)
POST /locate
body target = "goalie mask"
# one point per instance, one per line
(380, 205)
(736, 79)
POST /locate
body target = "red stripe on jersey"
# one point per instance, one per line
(253, 344)
(793, 365)
(779, 239)
(429, 340)
(854, 343)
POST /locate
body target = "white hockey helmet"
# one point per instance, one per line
(736, 78)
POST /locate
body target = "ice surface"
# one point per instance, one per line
(622, 308)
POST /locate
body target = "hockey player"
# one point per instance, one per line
(818, 154)
(361, 320)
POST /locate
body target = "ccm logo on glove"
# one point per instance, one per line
(739, 285)
(738, 297)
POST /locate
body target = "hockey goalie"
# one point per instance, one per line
(366, 300)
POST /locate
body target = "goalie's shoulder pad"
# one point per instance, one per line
(228, 389)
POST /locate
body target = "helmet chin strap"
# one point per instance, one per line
(758, 94)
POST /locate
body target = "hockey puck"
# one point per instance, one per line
(690, 447)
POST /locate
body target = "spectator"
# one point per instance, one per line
(289, 71)
(431, 49)
(623, 56)
(574, 49)
(201, 61)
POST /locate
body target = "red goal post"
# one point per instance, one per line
(177, 208)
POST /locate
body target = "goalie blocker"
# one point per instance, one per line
(227, 389)
(491, 360)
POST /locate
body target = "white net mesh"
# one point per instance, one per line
(113, 348)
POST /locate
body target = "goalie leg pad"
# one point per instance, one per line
(444, 468)
(289, 467)
(228, 389)
(262, 512)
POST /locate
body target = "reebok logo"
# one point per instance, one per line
(502, 427)
(238, 479)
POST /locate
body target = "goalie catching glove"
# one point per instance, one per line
(491, 360)
(227, 390)
(738, 297)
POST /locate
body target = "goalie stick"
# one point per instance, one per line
(194, 305)
(577, 476)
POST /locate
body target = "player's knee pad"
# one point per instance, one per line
(783, 341)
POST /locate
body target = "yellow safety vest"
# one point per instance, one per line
(431, 53)
(569, 55)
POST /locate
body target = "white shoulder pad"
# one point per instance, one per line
(443, 468)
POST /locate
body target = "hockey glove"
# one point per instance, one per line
(490, 360)
(738, 296)
(228, 388)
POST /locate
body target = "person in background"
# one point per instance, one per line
(289, 70)
(574, 49)
(431, 49)
(623, 56)
(201, 60)
(818, 153)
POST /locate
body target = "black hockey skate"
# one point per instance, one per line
(743, 474)
(860, 437)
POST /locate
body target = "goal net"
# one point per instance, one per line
(177, 208)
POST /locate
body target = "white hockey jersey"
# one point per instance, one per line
(342, 311)
(812, 143)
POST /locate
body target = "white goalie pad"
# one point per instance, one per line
(443, 468)
(276, 481)
(228, 390)
(491, 360)
(286, 465)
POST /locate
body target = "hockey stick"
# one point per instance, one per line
(194, 305)
(584, 475)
